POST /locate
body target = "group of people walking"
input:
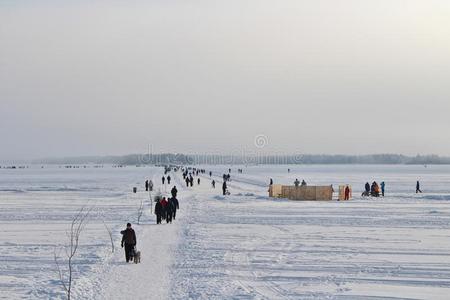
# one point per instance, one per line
(166, 209)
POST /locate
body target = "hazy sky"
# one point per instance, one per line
(113, 77)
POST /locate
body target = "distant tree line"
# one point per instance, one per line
(191, 159)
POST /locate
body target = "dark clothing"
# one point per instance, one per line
(198, 181)
(347, 193)
(175, 206)
(174, 192)
(367, 187)
(163, 179)
(129, 251)
(418, 188)
(224, 188)
(168, 179)
(129, 242)
(158, 212)
(129, 236)
(146, 185)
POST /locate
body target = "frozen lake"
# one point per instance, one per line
(243, 246)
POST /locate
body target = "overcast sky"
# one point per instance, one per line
(113, 77)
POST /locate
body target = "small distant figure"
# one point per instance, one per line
(289, 170)
(174, 192)
(146, 185)
(347, 193)
(129, 241)
(158, 211)
(210, 173)
(367, 190)
(198, 181)
(168, 179)
(213, 183)
(229, 170)
(296, 182)
(271, 181)
(164, 208)
(150, 185)
(383, 185)
(304, 183)
(375, 189)
(418, 187)
(175, 205)
(224, 188)
(163, 180)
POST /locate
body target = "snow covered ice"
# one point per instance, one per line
(242, 246)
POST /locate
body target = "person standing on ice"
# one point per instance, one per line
(129, 241)
(158, 211)
(174, 192)
(169, 211)
(175, 205)
(304, 183)
(271, 181)
(168, 179)
(198, 181)
(213, 183)
(367, 187)
(210, 173)
(382, 184)
(224, 188)
(347, 193)
(296, 182)
(164, 208)
(418, 187)
(150, 185)
(163, 180)
(146, 185)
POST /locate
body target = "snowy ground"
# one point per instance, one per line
(244, 246)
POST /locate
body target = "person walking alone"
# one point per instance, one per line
(129, 241)
(418, 187)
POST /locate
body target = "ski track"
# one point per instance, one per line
(242, 246)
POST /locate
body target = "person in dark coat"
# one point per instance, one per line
(210, 173)
(174, 192)
(213, 183)
(163, 179)
(158, 212)
(146, 185)
(175, 206)
(169, 211)
(347, 193)
(168, 179)
(224, 188)
(418, 187)
(198, 181)
(191, 180)
(367, 188)
(129, 241)
(187, 182)
(271, 181)
(383, 185)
